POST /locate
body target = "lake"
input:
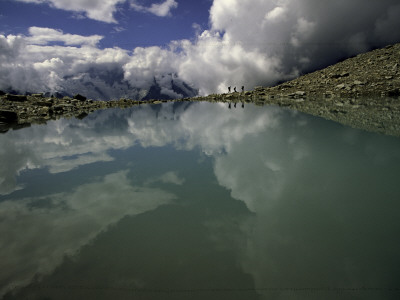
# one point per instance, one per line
(196, 200)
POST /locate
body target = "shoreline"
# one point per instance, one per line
(362, 92)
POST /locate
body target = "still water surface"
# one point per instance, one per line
(199, 201)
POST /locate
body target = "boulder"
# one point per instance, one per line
(341, 86)
(47, 103)
(62, 107)
(80, 97)
(344, 74)
(17, 98)
(394, 93)
(8, 116)
(82, 115)
(40, 95)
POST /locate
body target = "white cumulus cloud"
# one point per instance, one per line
(100, 10)
(162, 9)
(42, 36)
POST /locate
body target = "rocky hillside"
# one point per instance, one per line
(375, 73)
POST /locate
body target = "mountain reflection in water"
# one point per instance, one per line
(199, 201)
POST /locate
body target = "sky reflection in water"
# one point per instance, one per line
(200, 200)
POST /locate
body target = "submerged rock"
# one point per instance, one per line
(8, 116)
(8, 119)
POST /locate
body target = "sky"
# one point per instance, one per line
(109, 49)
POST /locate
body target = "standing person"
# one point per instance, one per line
(229, 89)
(242, 88)
(234, 89)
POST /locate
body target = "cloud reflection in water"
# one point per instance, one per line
(323, 196)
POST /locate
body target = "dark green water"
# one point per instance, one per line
(199, 201)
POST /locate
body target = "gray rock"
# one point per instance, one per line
(8, 116)
(47, 103)
(17, 98)
(80, 97)
(62, 107)
(341, 86)
(394, 93)
(343, 74)
(40, 95)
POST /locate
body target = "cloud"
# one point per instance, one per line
(59, 164)
(247, 43)
(42, 36)
(61, 147)
(275, 177)
(297, 226)
(170, 177)
(161, 10)
(293, 30)
(30, 64)
(69, 144)
(275, 14)
(146, 63)
(263, 42)
(384, 26)
(15, 159)
(100, 10)
(67, 222)
(214, 62)
(290, 154)
(103, 10)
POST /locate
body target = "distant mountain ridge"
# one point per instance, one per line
(110, 84)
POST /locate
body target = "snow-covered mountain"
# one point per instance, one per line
(110, 84)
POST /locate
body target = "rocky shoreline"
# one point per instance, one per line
(19, 111)
(361, 92)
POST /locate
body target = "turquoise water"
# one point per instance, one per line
(199, 201)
